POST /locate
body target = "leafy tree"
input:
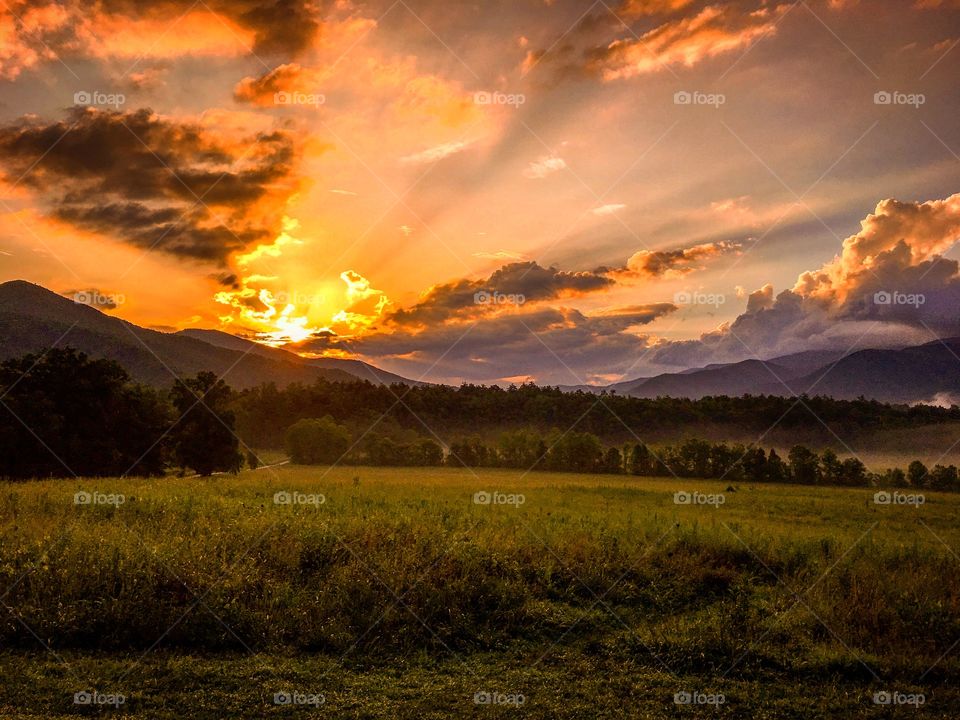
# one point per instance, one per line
(895, 477)
(316, 441)
(804, 465)
(942, 478)
(755, 465)
(519, 448)
(777, 470)
(575, 452)
(831, 468)
(613, 461)
(425, 452)
(204, 438)
(64, 414)
(640, 461)
(853, 473)
(917, 473)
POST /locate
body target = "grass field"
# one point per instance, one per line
(385, 592)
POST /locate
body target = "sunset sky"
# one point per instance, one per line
(492, 191)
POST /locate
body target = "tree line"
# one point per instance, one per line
(63, 414)
(265, 412)
(323, 441)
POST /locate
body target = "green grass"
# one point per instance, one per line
(401, 597)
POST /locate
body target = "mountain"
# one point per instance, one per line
(358, 368)
(927, 373)
(33, 318)
(924, 373)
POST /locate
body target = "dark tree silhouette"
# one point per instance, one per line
(64, 414)
(204, 439)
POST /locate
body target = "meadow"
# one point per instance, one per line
(430, 592)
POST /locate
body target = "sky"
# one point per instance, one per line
(528, 190)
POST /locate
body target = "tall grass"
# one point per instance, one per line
(811, 581)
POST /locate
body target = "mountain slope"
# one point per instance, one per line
(33, 318)
(358, 368)
(909, 375)
(925, 373)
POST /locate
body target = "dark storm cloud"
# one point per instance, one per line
(559, 345)
(520, 282)
(153, 182)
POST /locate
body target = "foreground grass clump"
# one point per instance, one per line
(769, 588)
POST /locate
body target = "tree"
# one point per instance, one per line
(575, 452)
(853, 473)
(942, 478)
(831, 468)
(895, 477)
(65, 414)
(204, 438)
(518, 448)
(755, 465)
(777, 470)
(804, 465)
(425, 452)
(641, 460)
(316, 441)
(613, 461)
(917, 473)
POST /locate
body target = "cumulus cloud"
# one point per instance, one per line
(675, 263)
(890, 285)
(154, 182)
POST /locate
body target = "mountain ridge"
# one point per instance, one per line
(33, 317)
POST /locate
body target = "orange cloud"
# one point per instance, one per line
(675, 263)
(713, 31)
(639, 8)
(914, 232)
(287, 78)
(36, 31)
